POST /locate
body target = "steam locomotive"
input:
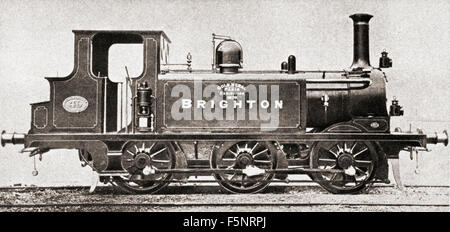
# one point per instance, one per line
(258, 126)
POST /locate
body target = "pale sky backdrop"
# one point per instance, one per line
(36, 41)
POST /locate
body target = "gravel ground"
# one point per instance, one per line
(184, 198)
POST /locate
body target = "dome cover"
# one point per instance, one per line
(229, 56)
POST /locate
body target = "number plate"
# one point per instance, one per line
(75, 104)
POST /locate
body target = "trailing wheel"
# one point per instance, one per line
(357, 160)
(252, 158)
(141, 159)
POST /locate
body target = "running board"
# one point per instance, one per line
(66, 140)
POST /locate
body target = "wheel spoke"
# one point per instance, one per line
(359, 170)
(232, 152)
(150, 148)
(353, 147)
(362, 163)
(261, 152)
(232, 176)
(254, 147)
(327, 162)
(360, 152)
(160, 161)
(262, 161)
(131, 153)
(335, 155)
(339, 148)
(325, 152)
(228, 162)
(152, 155)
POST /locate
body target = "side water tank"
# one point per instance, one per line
(229, 56)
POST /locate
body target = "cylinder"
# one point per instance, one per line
(360, 41)
(291, 64)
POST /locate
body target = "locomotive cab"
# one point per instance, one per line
(87, 100)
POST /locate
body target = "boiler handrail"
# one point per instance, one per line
(363, 82)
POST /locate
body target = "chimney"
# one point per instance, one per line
(360, 41)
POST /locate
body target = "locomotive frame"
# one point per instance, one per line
(82, 114)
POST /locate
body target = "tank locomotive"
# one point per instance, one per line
(332, 125)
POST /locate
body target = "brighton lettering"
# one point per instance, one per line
(233, 102)
(187, 103)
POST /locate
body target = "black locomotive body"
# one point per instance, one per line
(331, 125)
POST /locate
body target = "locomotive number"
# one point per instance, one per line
(75, 104)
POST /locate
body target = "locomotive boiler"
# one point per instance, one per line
(332, 125)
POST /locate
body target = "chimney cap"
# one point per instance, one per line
(361, 18)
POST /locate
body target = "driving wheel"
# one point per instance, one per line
(142, 159)
(250, 156)
(357, 160)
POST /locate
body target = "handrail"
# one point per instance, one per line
(364, 83)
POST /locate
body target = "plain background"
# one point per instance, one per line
(36, 41)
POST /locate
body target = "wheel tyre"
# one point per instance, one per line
(317, 177)
(258, 187)
(330, 187)
(145, 187)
